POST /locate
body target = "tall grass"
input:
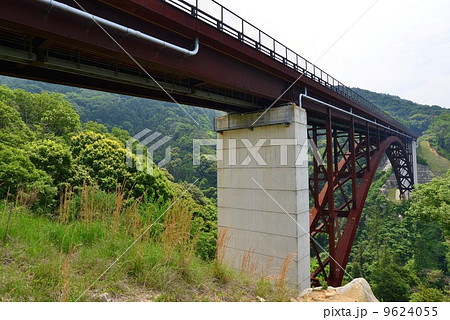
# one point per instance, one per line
(178, 236)
(223, 238)
(57, 258)
(65, 204)
(249, 263)
(66, 274)
(281, 283)
(26, 199)
(118, 204)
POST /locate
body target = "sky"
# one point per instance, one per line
(400, 47)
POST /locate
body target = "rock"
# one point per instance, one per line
(104, 297)
(360, 289)
(356, 291)
(260, 299)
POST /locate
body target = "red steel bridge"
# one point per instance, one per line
(202, 54)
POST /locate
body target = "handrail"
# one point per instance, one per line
(261, 41)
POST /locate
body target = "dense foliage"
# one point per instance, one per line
(417, 117)
(400, 248)
(70, 146)
(42, 142)
(439, 134)
(45, 151)
(102, 112)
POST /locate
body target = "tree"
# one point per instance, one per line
(18, 173)
(95, 127)
(13, 131)
(105, 158)
(47, 114)
(391, 282)
(439, 133)
(120, 134)
(56, 115)
(102, 159)
(432, 200)
(52, 157)
(427, 295)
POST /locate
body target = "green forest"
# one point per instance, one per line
(70, 206)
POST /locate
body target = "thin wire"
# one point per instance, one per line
(316, 61)
(306, 232)
(136, 62)
(135, 241)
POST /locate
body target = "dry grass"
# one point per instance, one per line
(26, 199)
(249, 264)
(281, 283)
(223, 238)
(114, 209)
(89, 207)
(178, 236)
(65, 204)
(133, 219)
(119, 199)
(66, 274)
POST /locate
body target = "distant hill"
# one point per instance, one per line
(417, 117)
(182, 123)
(135, 114)
(126, 112)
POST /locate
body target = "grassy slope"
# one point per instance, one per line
(391, 195)
(438, 164)
(45, 260)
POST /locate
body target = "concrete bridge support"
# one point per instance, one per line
(414, 145)
(263, 197)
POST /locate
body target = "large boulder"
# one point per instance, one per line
(356, 291)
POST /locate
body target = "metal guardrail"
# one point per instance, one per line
(216, 15)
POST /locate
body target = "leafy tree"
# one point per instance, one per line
(52, 157)
(95, 127)
(120, 134)
(47, 114)
(432, 200)
(104, 158)
(439, 134)
(428, 295)
(56, 115)
(429, 246)
(391, 282)
(18, 173)
(13, 131)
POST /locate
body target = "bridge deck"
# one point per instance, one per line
(238, 68)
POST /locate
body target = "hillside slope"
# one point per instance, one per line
(438, 164)
(417, 117)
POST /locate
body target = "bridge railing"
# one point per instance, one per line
(213, 13)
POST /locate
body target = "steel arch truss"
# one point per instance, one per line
(339, 184)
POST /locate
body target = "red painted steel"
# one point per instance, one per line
(355, 154)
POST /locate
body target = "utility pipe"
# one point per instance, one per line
(121, 28)
(302, 95)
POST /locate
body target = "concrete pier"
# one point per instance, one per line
(263, 196)
(414, 158)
